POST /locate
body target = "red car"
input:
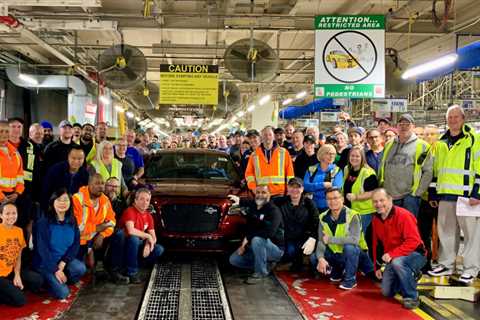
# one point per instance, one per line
(190, 188)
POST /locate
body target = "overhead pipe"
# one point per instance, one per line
(292, 112)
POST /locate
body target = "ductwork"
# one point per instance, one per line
(78, 96)
(293, 112)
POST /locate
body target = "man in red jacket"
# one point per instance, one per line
(403, 249)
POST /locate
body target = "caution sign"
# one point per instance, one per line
(350, 56)
(188, 84)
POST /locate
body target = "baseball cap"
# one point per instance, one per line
(295, 181)
(76, 124)
(46, 125)
(383, 120)
(10, 120)
(309, 138)
(332, 139)
(239, 133)
(253, 132)
(407, 117)
(358, 130)
(65, 123)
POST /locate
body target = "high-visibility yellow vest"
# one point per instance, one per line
(457, 169)
(91, 154)
(102, 169)
(341, 231)
(421, 148)
(361, 206)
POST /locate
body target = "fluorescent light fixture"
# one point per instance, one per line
(129, 114)
(441, 62)
(264, 100)
(29, 79)
(301, 94)
(240, 114)
(234, 118)
(251, 108)
(217, 121)
(104, 100)
(137, 118)
(287, 101)
(119, 108)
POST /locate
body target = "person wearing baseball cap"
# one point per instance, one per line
(306, 158)
(383, 124)
(355, 136)
(47, 132)
(406, 154)
(300, 218)
(57, 151)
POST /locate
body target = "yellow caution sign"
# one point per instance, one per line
(188, 84)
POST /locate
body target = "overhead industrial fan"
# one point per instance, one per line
(122, 66)
(395, 86)
(251, 60)
(228, 98)
(145, 95)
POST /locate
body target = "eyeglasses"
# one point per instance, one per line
(334, 198)
(112, 186)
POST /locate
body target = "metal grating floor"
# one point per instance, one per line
(185, 291)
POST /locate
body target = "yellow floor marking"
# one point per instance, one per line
(437, 307)
(459, 313)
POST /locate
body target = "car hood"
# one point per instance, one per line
(193, 188)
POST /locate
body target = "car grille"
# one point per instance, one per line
(190, 218)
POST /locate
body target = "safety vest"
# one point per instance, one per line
(341, 230)
(11, 171)
(421, 148)
(103, 171)
(457, 169)
(275, 173)
(91, 154)
(361, 206)
(88, 218)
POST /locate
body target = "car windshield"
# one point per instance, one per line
(191, 166)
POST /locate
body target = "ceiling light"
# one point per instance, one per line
(29, 79)
(234, 118)
(137, 118)
(104, 100)
(129, 114)
(301, 94)
(441, 62)
(264, 100)
(240, 114)
(119, 108)
(251, 108)
(287, 101)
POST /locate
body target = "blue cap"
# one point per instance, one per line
(46, 125)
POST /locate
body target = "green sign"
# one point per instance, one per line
(350, 56)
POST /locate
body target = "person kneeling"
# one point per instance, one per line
(12, 277)
(56, 240)
(341, 247)
(403, 250)
(136, 228)
(264, 240)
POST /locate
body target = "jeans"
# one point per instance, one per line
(366, 219)
(426, 217)
(344, 265)
(410, 203)
(399, 275)
(74, 270)
(13, 296)
(125, 253)
(257, 255)
(293, 252)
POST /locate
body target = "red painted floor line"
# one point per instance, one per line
(321, 299)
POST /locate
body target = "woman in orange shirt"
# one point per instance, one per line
(12, 278)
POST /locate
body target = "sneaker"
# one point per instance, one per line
(466, 278)
(135, 279)
(440, 270)
(418, 275)
(335, 279)
(256, 278)
(118, 278)
(410, 304)
(347, 286)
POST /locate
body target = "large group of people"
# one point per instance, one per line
(352, 200)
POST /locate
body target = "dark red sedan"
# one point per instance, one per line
(190, 188)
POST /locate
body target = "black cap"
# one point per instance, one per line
(295, 181)
(76, 124)
(309, 138)
(332, 139)
(279, 131)
(13, 119)
(239, 133)
(385, 120)
(253, 132)
(321, 136)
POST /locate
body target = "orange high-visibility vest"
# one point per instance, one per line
(88, 219)
(11, 171)
(275, 173)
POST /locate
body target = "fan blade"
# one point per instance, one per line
(263, 54)
(129, 73)
(238, 54)
(107, 69)
(252, 71)
(127, 54)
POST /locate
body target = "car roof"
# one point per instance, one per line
(191, 151)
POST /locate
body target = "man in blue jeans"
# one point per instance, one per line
(135, 239)
(264, 240)
(341, 247)
(403, 250)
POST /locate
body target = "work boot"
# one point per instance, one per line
(118, 278)
(135, 279)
